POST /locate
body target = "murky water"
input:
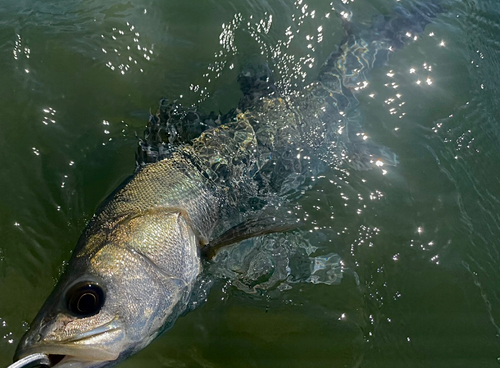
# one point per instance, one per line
(418, 243)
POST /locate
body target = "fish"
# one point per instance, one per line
(203, 182)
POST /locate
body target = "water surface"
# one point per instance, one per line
(418, 243)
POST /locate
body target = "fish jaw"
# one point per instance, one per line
(99, 347)
(62, 356)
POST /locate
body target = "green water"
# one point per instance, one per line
(420, 243)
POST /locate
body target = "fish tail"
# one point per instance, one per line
(346, 72)
(366, 47)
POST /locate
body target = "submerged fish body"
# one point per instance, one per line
(134, 267)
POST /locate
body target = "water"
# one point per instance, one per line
(418, 245)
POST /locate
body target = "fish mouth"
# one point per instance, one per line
(85, 350)
(68, 358)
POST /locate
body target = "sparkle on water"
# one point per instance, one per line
(394, 266)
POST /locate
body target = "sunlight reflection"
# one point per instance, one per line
(48, 119)
(291, 69)
(127, 50)
(19, 50)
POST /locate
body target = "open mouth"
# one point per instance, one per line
(39, 360)
(64, 360)
(55, 359)
(79, 353)
(59, 360)
(58, 355)
(93, 348)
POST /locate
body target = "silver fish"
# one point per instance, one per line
(134, 267)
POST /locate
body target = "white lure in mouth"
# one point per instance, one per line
(57, 353)
(37, 359)
(91, 348)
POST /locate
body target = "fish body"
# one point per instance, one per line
(135, 265)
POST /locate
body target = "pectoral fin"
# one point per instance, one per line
(248, 229)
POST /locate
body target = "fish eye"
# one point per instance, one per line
(85, 299)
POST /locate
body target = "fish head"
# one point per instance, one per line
(120, 290)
